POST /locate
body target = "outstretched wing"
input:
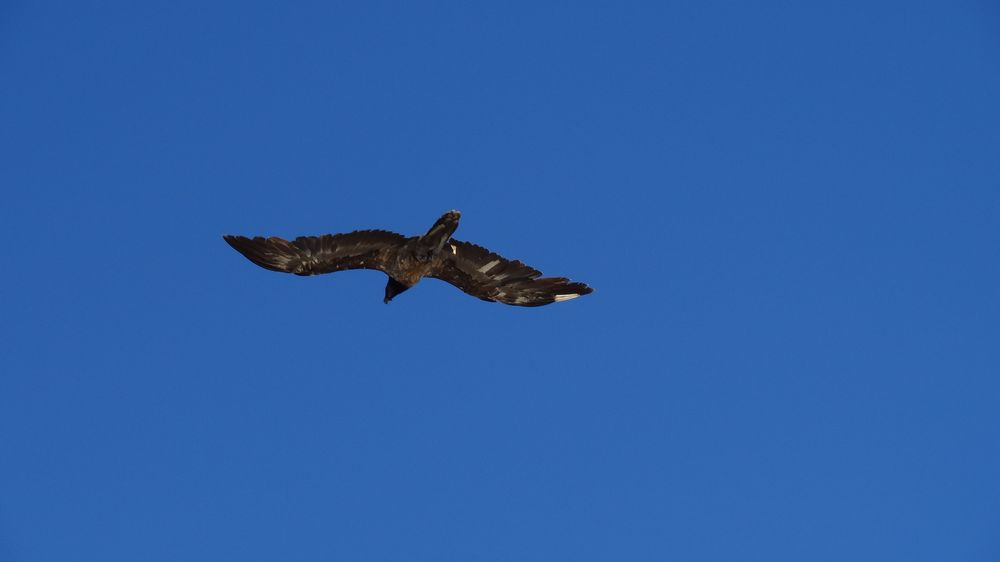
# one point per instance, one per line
(313, 255)
(483, 274)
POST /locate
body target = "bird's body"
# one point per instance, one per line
(406, 261)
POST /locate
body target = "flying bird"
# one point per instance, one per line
(473, 269)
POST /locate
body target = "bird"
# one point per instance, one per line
(406, 260)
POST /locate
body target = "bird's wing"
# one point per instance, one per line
(483, 274)
(313, 255)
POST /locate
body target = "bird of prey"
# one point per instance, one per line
(473, 269)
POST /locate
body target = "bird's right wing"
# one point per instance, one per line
(313, 255)
(483, 274)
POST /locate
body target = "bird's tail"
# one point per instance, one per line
(441, 232)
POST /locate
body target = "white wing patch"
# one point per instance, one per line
(560, 298)
(488, 266)
(454, 250)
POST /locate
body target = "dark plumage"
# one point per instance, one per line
(473, 269)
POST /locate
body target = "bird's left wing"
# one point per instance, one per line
(313, 255)
(483, 274)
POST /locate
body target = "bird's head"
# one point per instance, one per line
(393, 288)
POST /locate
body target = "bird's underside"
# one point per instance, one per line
(471, 268)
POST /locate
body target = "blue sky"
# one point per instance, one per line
(788, 213)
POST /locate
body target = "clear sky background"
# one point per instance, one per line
(789, 214)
